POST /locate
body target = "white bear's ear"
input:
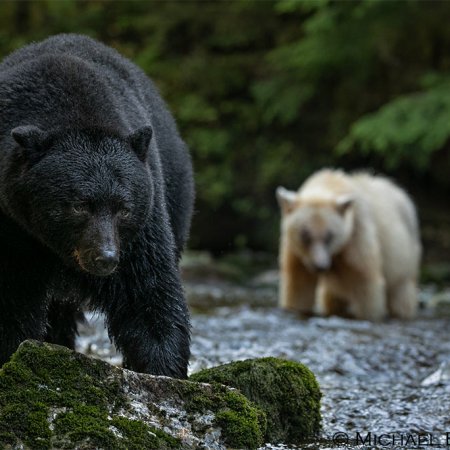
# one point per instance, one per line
(28, 136)
(286, 199)
(343, 203)
(140, 140)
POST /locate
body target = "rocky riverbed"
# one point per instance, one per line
(390, 378)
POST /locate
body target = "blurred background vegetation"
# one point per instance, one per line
(266, 92)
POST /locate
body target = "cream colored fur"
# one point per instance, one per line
(369, 268)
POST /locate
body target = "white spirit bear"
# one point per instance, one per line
(349, 245)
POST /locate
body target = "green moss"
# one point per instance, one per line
(31, 423)
(90, 426)
(65, 378)
(286, 391)
(81, 393)
(243, 424)
(81, 425)
(140, 436)
(51, 397)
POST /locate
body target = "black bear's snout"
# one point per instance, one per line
(100, 262)
(106, 262)
(98, 251)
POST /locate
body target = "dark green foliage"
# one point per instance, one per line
(410, 128)
(267, 92)
(286, 391)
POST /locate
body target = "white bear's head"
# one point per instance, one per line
(317, 228)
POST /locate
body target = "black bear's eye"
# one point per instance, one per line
(79, 209)
(125, 213)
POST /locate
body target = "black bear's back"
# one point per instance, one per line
(118, 88)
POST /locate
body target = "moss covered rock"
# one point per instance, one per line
(52, 397)
(286, 391)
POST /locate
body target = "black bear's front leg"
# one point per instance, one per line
(146, 311)
(150, 326)
(66, 295)
(23, 308)
(162, 349)
(20, 321)
(63, 317)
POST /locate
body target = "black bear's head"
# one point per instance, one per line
(84, 193)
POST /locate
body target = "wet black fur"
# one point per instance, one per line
(87, 101)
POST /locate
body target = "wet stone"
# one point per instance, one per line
(52, 397)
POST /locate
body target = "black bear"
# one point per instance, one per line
(96, 199)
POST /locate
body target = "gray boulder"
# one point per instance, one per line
(52, 397)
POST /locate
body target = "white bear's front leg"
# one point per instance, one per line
(297, 285)
(368, 299)
(328, 303)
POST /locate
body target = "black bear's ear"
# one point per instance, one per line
(28, 136)
(140, 140)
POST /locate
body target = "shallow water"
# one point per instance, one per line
(389, 378)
